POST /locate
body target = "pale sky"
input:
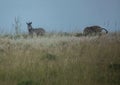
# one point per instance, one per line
(60, 15)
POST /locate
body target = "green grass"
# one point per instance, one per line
(60, 60)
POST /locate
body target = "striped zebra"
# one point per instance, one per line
(37, 31)
(93, 30)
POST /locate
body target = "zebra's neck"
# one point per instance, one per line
(105, 30)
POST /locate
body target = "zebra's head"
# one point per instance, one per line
(29, 25)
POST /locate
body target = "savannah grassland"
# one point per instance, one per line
(60, 60)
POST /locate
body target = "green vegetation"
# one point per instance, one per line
(60, 60)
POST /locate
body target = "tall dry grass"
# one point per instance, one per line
(60, 60)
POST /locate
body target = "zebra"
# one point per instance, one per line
(93, 30)
(37, 31)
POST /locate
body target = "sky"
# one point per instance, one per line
(60, 15)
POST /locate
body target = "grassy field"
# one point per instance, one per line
(60, 60)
